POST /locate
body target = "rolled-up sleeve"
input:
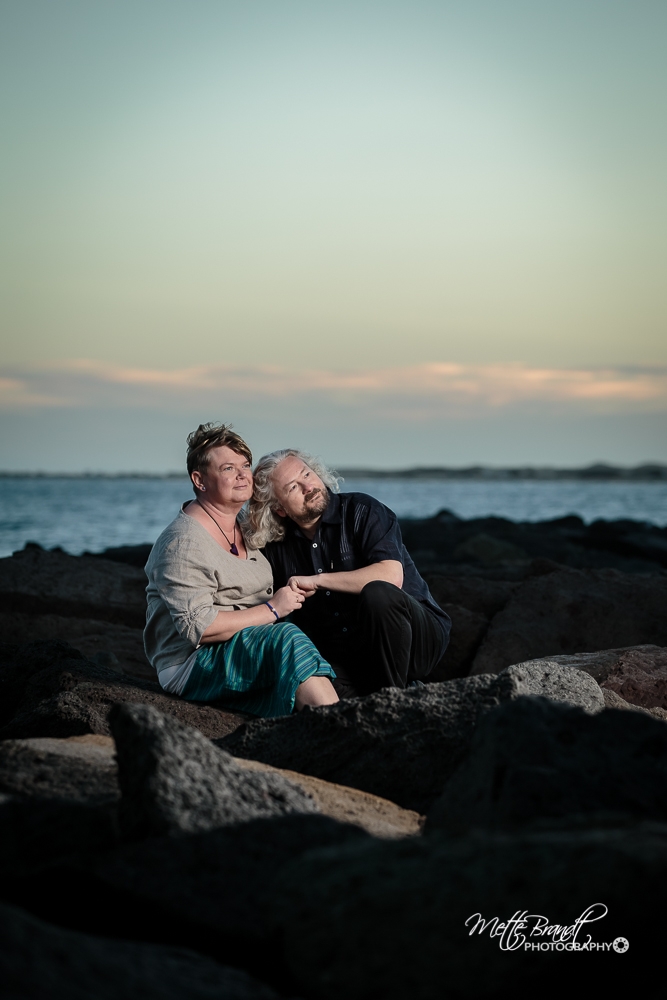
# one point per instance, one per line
(187, 587)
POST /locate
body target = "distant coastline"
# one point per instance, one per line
(647, 472)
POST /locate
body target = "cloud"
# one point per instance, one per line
(417, 392)
(17, 393)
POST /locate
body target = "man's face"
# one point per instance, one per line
(300, 493)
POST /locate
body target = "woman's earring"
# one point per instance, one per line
(203, 489)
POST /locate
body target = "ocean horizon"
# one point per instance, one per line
(597, 472)
(87, 512)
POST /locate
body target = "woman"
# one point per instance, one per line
(213, 624)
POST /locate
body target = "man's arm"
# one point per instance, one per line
(351, 581)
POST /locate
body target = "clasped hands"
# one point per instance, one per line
(305, 585)
(291, 597)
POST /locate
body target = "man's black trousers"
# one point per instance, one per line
(397, 640)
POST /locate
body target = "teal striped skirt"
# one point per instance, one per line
(257, 671)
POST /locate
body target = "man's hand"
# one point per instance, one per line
(306, 585)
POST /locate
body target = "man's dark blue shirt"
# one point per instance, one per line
(355, 530)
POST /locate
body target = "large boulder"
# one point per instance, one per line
(174, 781)
(486, 597)
(375, 815)
(489, 550)
(468, 630)
(36, 582)
(83, 769)
(536, 760)
(58, 799)
(118, 647)
(38, 960)
(402, 919)
(208, 891)
(50, 689)
(401, 745)
(470, 602)
(552, 681)
(613, 700)
(574, 611)
(133, 555)
(38, 832)
(637, 673)
(487, 544)
(58, 769)
(211, 890)
(628, 539)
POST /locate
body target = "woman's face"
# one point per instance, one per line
(227, 479)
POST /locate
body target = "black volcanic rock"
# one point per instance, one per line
(58, 769)
(489, 546)
(49, 689)
(485, 597)
(402, 745)
(393, 920)
(57, 798)
(532, 759)
(209, 890)
(575, 611)
(487, 550)
(37, 582)
(627, 538)
(468, 630)
(38, 832)
(131, 555)
(118, 647)
(174, 781)
(39, 961)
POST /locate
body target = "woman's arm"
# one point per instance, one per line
(228, 623)
(180, 573)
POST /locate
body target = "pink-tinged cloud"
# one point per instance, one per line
(17, 393)
(417, 390)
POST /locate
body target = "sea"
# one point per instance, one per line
(92, 514)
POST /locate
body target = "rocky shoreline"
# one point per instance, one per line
(160, 848)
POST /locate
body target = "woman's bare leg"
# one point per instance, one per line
(315, 691)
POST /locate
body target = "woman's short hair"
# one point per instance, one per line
(209, 436)
(263, 524)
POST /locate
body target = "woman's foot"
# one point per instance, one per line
(315, 691)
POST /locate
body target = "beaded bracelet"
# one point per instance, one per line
(271, 608)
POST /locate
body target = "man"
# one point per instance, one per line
(368, 611)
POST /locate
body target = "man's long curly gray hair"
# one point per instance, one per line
(263, 525)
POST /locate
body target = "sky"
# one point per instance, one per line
(391, 233)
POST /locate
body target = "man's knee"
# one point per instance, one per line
(378, 596)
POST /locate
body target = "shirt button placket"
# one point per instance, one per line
(316, 553)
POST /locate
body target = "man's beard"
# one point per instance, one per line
(313, 507)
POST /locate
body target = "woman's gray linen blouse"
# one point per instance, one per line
(190, 579)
